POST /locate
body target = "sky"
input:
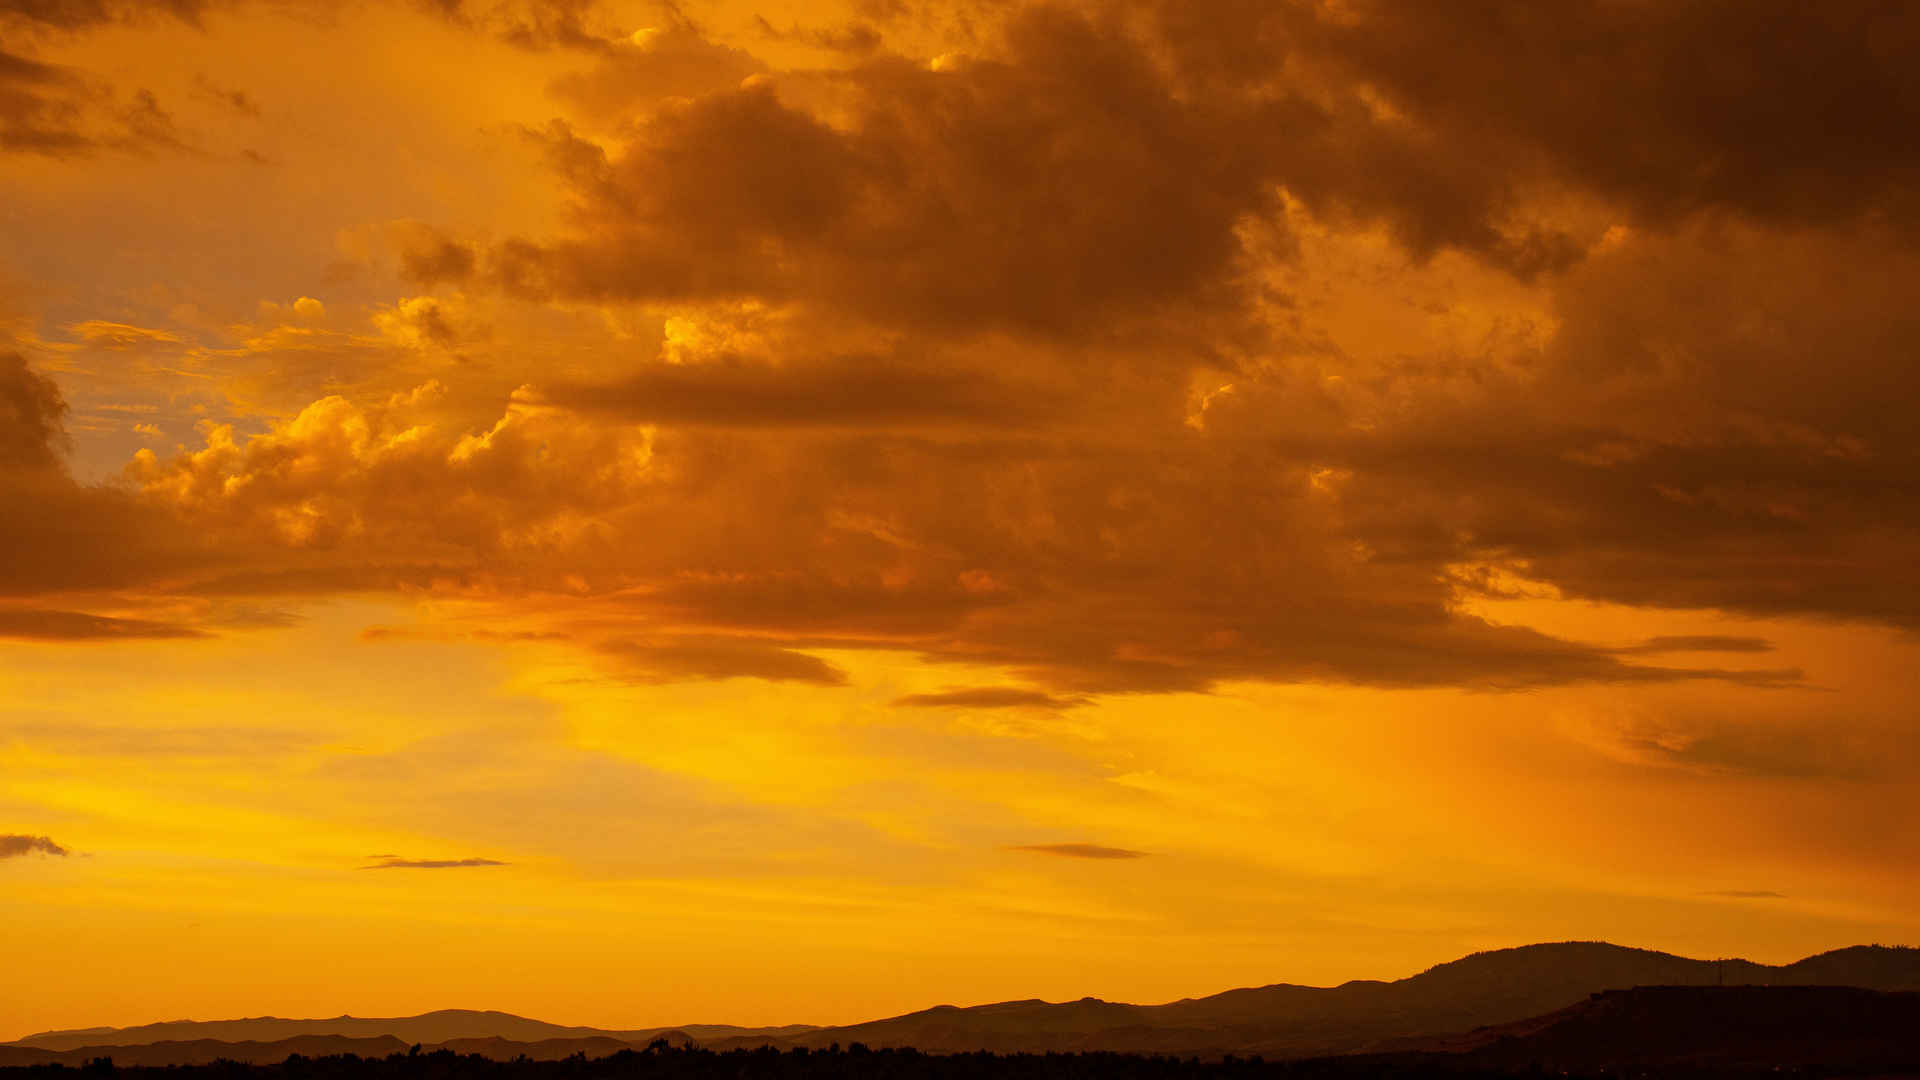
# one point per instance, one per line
(803, 510)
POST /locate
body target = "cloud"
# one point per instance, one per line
(1797, 124)
(388, 862)
(55, 111)
(1080, 851)
(1700, 643)
(57, 534)
(15, 845)
(846, 392)
(1754, 484)
(31, 416)
(32, 624)
(652, 65)
(348, 480)
(428, 257)
(718, 658)
(1045, 357)
(237, 100)
(529, 24)
(1747, 894)
(79, 14)
(1711, 742)
(1060, 186)
(1142, 567)
(856, 37)
(988, 697)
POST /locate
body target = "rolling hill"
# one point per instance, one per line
(427, 1028)
(1483, 990)
(1301, 1021)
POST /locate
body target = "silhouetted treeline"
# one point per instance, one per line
(856, 1062)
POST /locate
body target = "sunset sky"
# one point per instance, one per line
(777, 511)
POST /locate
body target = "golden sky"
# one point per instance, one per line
(790, 511)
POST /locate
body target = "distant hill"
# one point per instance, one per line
(1704, 1032)
(1281, 1021)
(206, 1051)
(1302, 1021)
(427, 1029)
(1727, 1028)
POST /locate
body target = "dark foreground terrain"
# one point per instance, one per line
(1657, 1031)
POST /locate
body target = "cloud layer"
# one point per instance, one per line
(389, 862)
(15, 845)
(1010, 357)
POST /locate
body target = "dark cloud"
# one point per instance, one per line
(41, 108)
(988, 697)
(1713, 426)
(850, 392)
(33, 624)
(32, 415)
(671, 61)
(1700, 643)
(389, 862)
(857, 37)
(394, 633)
(58, 112)
(1149, 558)
(79, 14)
(529, 24)
(1776, 110)
(1044, 250)
(15, 845)
(1080, 851)
(56, 534)
(237, 100)
(718, 658)
(429, 257)
(1057, 186)
(1713, 744)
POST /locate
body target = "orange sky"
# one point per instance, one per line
(816, 510)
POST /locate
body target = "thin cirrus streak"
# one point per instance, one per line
(394, 863)
(1081, 851)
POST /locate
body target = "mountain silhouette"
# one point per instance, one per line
(1480, 991)
(254, 1052)
(1303, 1021)
(1729, 1028)
(427, 1029)
(206, 1051)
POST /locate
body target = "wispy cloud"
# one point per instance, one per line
(34, 624)
(14, 845)
(393, 862)
(1080, 851)
(1670, 643)
(1747, 894)
(989, 697)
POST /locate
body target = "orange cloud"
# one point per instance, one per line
(1081, 851)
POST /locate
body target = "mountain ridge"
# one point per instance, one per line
(1484, 988)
